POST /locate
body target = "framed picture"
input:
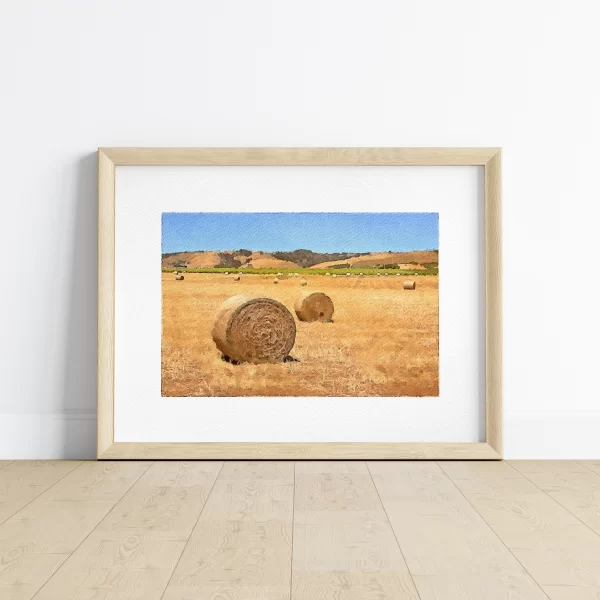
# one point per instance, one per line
(299, 303)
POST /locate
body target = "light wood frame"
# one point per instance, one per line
(110, 158)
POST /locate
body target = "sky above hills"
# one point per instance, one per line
(319, 232)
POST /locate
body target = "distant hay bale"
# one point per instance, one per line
(237, 278)
(175, 272)
(314, 306)
(296, 274)
(410, 285)
(303, 282)
(360, 274)
(226, 272)
(348, 274)
(334, 275)
(275, 280)
(254, 330)
(279, 274)
(179, 277)
(327, 273)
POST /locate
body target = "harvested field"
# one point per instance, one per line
(383, 341)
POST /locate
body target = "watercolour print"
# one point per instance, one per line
(300, 304)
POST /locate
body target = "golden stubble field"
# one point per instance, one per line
(383, 342)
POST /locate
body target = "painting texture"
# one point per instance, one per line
(300, 304)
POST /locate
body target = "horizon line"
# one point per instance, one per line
(308, 250)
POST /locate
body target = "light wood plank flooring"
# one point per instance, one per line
(323, 530)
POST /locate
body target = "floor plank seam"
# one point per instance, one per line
(393, 530)
(292, 540)
(91, 531)
(554, 499)
(10, 462)
(43, 492)
(212, 487)
(586, 467)
(492, 530)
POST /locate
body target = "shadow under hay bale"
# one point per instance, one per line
(254, 330)
(314, 306)
(410, 285)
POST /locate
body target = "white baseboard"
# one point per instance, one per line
(528, 435)
(547, 435)
(66, 434)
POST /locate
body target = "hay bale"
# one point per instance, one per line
(226, 272)
(410, 285)
(254, 330)
(275, 280)
(303, 282)
(179, 277)
(348, 274)
(314, 306)
(334, 275)
(236, 278)
(327, 273)
(296, 274)
(175, 272)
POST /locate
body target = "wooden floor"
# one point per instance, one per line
(307, 530)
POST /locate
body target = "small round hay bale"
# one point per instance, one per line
(360, 274)
(410, 285)
(275, 280)
(303, 282)
(179, 277)
(296, 274)
(279, 274)
(254, 330)
(314, 306)
(348, 274)
(334, 275)
(226, 272)
(327, 273)
(237, 278)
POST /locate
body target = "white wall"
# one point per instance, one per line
(521, 74)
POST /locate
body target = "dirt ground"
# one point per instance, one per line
(384, 340)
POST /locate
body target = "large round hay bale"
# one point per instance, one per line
(237, 278)
(410, 285)
(254, 330)
(179, 277)
(275, 280)
(314, 306)
(303, 282)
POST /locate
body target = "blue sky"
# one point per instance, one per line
(319, 232)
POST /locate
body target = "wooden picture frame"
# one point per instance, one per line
(110, 158)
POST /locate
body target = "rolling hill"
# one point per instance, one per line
(298, 258)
